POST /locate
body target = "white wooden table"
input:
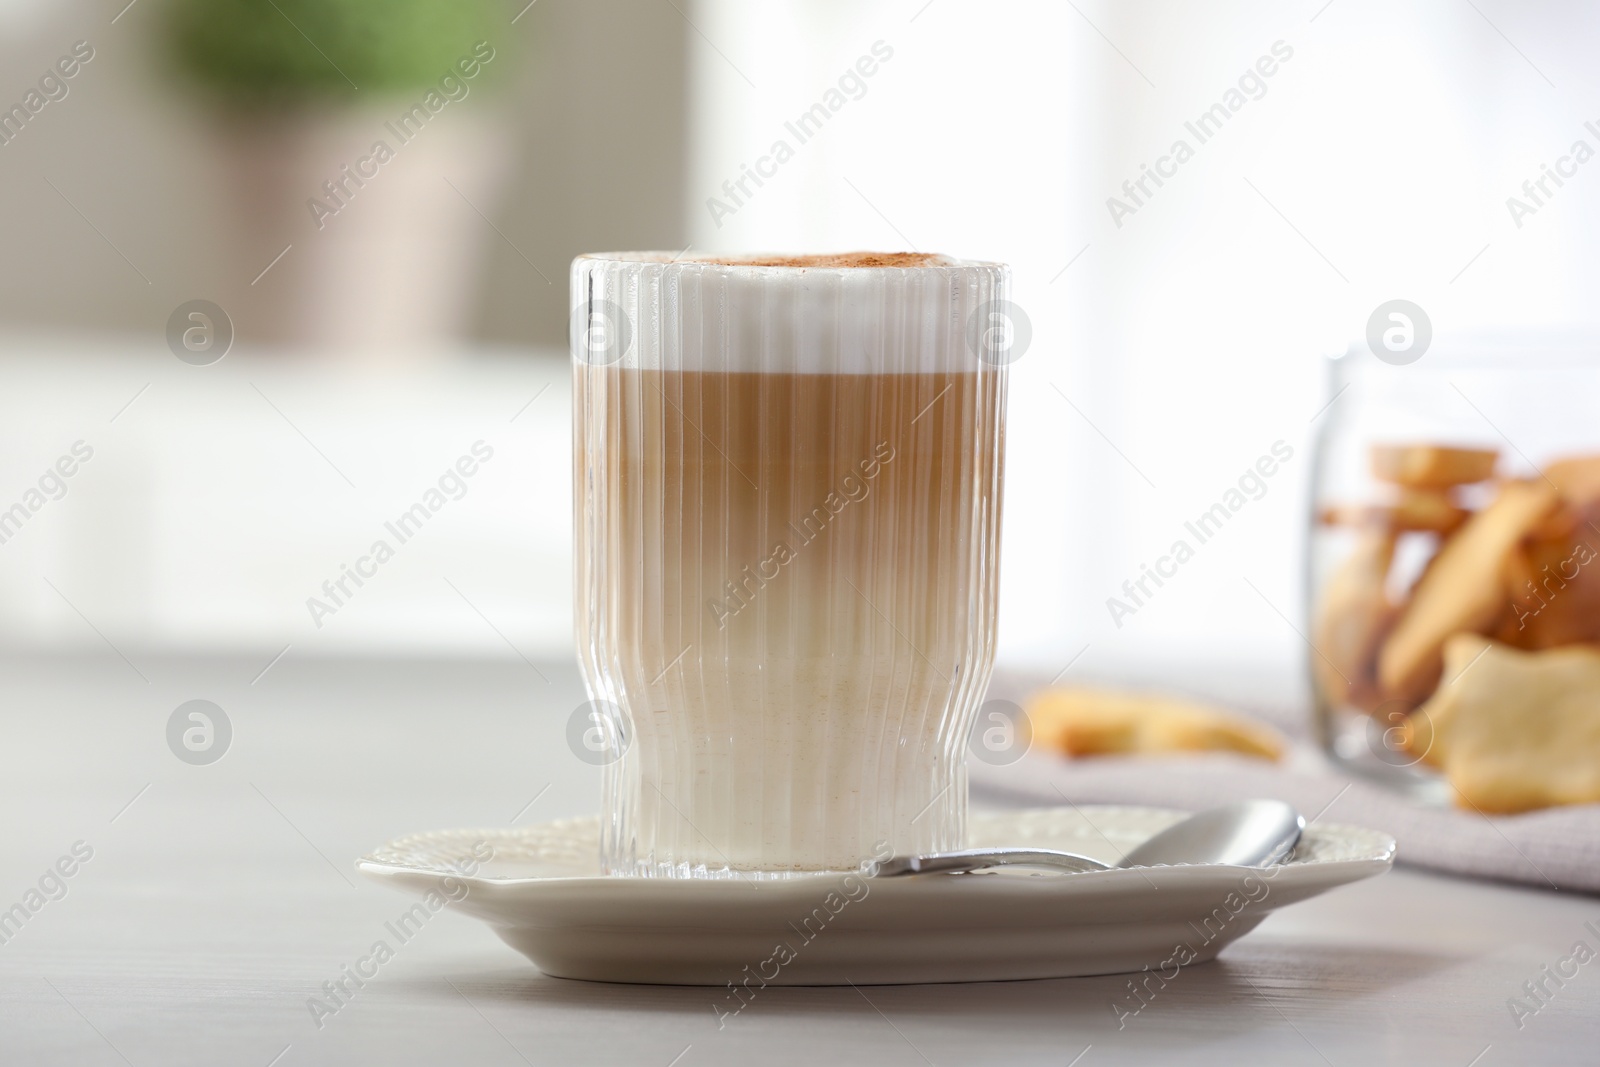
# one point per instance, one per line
(218, 900)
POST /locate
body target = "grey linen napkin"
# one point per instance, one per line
(1555, 848)
(1558, 848)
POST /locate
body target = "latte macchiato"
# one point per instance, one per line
(788, 492)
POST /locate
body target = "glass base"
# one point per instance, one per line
(685, 870)
(1364, 748)
(757, 813)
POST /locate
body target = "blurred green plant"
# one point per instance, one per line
(272, 51)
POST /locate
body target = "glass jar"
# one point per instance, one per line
(1412, 455)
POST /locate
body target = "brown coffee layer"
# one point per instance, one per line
(749, 512)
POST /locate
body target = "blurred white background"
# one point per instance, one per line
(1167, 352)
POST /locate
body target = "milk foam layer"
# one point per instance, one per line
(845, 314)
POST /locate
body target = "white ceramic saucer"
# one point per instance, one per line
(542, 891)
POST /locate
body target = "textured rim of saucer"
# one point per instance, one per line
(1362, 845)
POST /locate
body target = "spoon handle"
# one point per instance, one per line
(978, 859)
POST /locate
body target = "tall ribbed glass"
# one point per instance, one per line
(788, 488)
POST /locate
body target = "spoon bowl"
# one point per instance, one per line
(1251, 833)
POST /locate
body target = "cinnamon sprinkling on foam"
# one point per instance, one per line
(838, 259)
